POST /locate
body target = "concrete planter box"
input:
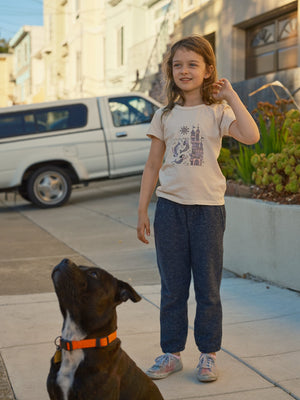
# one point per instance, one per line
(263, 239)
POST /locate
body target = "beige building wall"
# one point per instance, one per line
(99, 47)
(226, 23)
(37, 94)
(146, 54)
(6, 86)
(74, 48)
(228, 20)
(28, 66)
(87, 49)
(52, 52)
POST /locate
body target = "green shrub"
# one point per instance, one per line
(273, 162)
(281, 170)
(243, 163)
(227, 164)
(277, 130)
(272, 138)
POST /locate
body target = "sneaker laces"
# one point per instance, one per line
(164, 359)
(206, 361)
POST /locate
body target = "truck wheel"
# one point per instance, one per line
(23, 191)
(49, 187)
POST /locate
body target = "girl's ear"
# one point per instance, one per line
(209, 71)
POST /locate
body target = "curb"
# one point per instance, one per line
(6, 392)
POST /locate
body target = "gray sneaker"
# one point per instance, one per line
(164, 366)
(207, 369)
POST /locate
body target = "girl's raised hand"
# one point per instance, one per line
(222, 89)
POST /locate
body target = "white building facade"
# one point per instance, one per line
(256, 42)
(28, 67)
(98, 47)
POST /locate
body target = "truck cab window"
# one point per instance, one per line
(131, 110)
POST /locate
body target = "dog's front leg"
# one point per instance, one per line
(53, 389)
(93, 387)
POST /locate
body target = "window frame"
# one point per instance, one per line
(270, 47)
(126, 101)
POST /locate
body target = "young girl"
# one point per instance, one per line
(190, 216)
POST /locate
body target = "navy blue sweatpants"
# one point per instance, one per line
(189, 240)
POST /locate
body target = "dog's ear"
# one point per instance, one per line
(125, 292)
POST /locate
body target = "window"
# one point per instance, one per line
(25, 53)
(131, 110)
(43, 120)
(121, 46)
(78, 66)
(272, 45)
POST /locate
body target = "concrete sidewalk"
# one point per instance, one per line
(260, 358)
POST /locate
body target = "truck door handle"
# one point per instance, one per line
(121, 134)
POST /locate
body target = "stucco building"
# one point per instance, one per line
(256, 42)
(99, 47)
(94, 47)
(28, 68)
(6, 81)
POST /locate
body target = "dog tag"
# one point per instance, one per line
(57, 357)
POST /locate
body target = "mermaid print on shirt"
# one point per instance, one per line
(188, 147)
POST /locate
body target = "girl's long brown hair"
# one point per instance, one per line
(201, 46)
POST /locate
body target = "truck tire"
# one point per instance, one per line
(23, 191)
(49, 187)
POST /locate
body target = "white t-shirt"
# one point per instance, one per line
(190, 173)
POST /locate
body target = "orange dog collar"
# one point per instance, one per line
(71, 345)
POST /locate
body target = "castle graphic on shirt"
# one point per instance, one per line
(188, 147)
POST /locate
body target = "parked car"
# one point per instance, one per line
(46, 148)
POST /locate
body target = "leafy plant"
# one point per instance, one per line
(277, 111)
(276, 130)
(227, 164)
(272, 138)
(243, 162)
(280, 170)
(292, 127)
(4, 46)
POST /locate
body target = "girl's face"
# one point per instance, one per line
(189, 71)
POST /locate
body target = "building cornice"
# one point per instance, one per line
(150, 3)
(19, 36)
(114, 3)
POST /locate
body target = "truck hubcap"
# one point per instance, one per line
(50, 187)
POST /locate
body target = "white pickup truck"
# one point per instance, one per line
(48, 147)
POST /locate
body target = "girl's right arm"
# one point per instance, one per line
(149, 180)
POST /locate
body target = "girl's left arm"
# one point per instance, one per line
(244, 128)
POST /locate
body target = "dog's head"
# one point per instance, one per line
(90, 295)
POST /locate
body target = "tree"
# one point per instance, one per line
(3, 46)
